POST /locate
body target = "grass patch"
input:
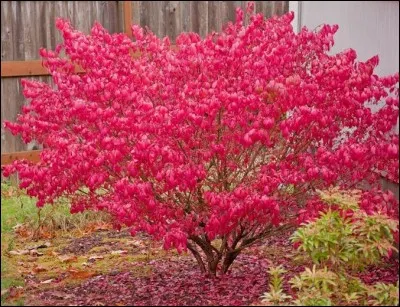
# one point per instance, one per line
(120, 263)
(10, 276)
(17, 208)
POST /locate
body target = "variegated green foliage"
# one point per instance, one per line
(347, 236)
(341, 240)
(385, 295)
(275, 296)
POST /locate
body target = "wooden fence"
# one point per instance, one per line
(26, 26)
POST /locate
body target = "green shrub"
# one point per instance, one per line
(342, 240)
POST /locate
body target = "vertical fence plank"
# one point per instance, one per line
(127, 9)
(7, 32)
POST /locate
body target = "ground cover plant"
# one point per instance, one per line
(214, 145)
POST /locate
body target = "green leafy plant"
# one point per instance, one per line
(343, 239)
(347, 235)
(275, 296)
(313, 301)
(320, 281)
(327, 240)
(385, 294)
(373, 234)
(352, 289)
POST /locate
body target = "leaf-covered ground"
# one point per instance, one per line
(95, 265)
(107, 267)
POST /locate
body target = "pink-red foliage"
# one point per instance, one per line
(224, 137)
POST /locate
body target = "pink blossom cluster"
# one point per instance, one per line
(232, 131)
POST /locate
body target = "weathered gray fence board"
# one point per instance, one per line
(173, 17)
(27, 26)
(11, 102)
